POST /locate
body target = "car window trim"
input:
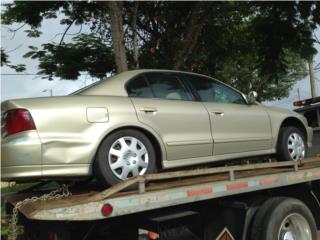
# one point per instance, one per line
(192, 90)
(185, 86)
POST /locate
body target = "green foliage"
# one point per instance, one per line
(263, 44)
(33, 13)
(242, 74)
(5, 62)
(4, 58)
(233, 57)
(87, 53)
(278, 27)
(33, 33)
(30, 13)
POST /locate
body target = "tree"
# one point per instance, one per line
(117, 35)
(87, 53)
(264, 44)
(5, 62)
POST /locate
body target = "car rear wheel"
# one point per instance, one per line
(291, 144)
(124, 154)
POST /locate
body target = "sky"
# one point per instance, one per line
(27, 84)
(30, 85)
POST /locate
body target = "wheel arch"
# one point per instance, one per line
(293, 122)
(155, 140)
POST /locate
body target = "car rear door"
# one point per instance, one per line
(163, 103)
(236, 126)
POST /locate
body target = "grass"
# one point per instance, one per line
(10, 188)
(16, 187)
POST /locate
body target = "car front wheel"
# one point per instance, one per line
(124, 154)
(291, 144)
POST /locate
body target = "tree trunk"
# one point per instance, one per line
(118, 35)
(196, 23)
(313, 83)
(135, 36)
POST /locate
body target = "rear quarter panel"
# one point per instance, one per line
(66, 134)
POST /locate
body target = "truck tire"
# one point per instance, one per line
(281, 218)
(124, 154)
(291, 145)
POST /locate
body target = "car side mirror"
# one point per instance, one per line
(252, 97)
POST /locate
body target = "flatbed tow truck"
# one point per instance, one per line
(251, 201)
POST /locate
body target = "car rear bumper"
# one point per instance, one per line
(46, 172)
(21, 160)
(20, 173)
(21, 156)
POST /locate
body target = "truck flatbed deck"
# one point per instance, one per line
(160, 190)
(248, 202)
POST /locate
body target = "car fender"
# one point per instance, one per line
(278, 117)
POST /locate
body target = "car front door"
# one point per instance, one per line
(163, 103)
(237, 127)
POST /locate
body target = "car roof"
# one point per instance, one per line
(115, 85)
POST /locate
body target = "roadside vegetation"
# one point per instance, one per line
(260, 45)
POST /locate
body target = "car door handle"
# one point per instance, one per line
(218, 113)
(148, 110)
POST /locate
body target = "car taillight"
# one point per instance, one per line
(16, 120)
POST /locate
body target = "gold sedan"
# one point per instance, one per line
(138, 122)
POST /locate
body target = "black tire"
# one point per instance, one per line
(282, 146)
(101, 168)
(272, 213)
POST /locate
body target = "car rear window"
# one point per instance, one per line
(139, 87)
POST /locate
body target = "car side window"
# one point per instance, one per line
(139, 87)
(167, 86)
(213, 91)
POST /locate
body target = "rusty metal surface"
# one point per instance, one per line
(179, 187)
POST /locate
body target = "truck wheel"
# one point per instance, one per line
(124, 154)
(291, 144)
(283, 218)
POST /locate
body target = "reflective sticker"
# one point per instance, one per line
(237, 186)
(225, 235)
(199, 192)
(268, 181)
(316, 174)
